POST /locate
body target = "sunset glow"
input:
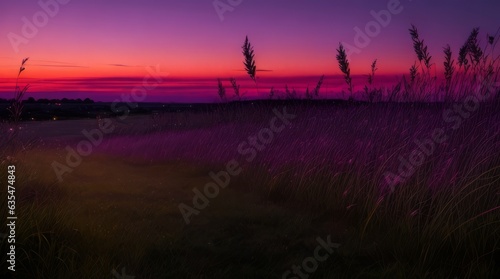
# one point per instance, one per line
(89, 40)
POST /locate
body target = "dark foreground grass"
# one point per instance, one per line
(96, 225)
(323, 175)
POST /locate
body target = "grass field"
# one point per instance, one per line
(322, 175)
(405, 184)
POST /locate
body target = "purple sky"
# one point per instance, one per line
(91, 39)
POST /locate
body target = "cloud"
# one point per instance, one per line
(119, 65)
(58, 66)
(55, 64)
(258, 70)
(124, 65)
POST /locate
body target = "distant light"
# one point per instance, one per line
(54, 118)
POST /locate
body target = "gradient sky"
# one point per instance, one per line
(101, 48)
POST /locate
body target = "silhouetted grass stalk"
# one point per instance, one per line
(370, 91)
(8, 144)
(344, 67)
(221, 90)
(236, 88)
(249, 62)
(16, 107)
(318, 86)
(421, 85)
(449, 69)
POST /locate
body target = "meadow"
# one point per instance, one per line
(406, 182)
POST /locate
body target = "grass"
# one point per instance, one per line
(322, 175)
(249, 61)
(8, 142)
(345, 67)
(222, 90)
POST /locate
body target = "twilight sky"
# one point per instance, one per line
(102, 48)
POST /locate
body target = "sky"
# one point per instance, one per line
(103, 48)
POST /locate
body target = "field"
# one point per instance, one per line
(398, 181)
(282, 175)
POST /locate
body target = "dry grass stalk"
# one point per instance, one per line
(17, 106)
(344, 67)
(222, 90)
(236, 88)
(249, 62)
(318, 86)
(449, 67)
(420, 48)
(370, 91)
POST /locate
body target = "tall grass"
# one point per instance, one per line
(236, 88)
(449, 70)
(423, 86)
(9, 145)
(443, 220)
(221, 90)
(328, 166)
(477, 71)
(17, 105)
(318, 86)
(315, 92)
(371, 92)
(420, 48)
(345, 68)
(249, 61)
(326, 170)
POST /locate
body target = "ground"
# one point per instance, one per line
(320, 177)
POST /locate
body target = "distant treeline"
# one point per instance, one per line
(32, 100)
